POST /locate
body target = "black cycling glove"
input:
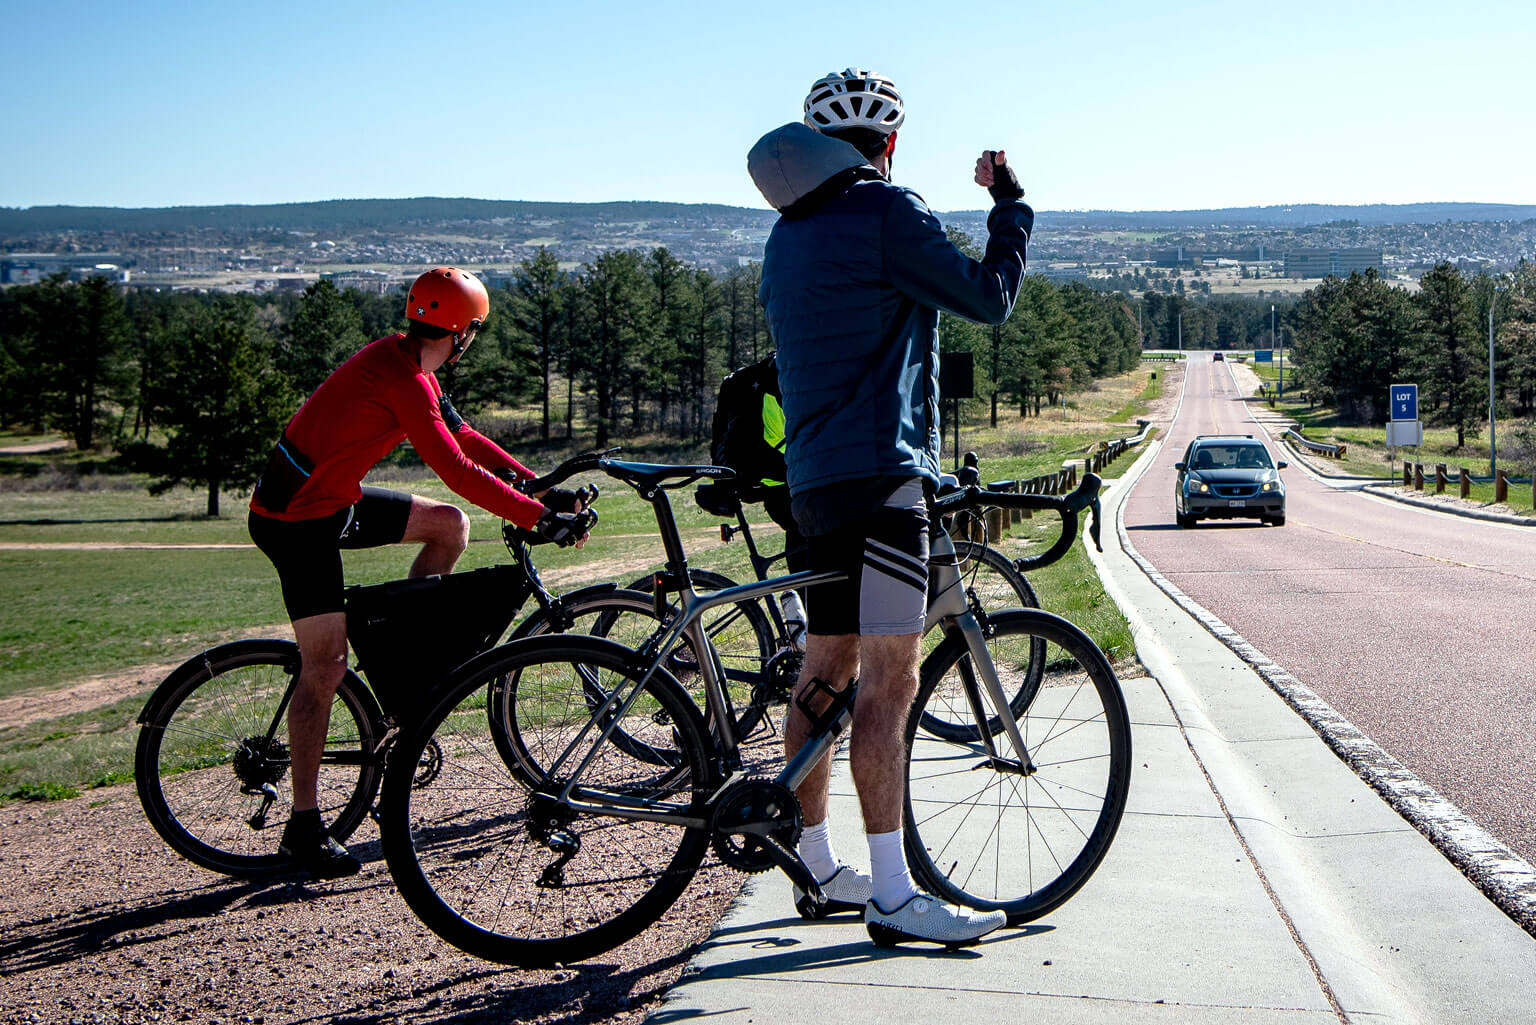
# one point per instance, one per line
(1005, 184)
(564, 528)
(565, 500)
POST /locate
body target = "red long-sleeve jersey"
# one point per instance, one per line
(370, 404)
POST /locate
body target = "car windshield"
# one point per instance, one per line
(1228, 457)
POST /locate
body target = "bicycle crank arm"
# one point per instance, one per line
(790, 864)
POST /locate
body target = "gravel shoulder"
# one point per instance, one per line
(102, 923)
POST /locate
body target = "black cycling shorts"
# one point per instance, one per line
(307, 553)
(886, 559)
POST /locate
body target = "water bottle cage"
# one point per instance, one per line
(839, 707)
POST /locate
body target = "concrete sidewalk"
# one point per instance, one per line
(1254, 878)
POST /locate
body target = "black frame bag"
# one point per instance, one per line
(410, 634)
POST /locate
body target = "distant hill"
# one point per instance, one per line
(345, 215)
(358, 214)
(1300, 215)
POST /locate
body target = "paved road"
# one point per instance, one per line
(1415, 625)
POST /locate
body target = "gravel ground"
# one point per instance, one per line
(101, 923)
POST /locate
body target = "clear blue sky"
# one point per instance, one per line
(1118, 105)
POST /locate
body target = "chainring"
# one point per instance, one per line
(758, 803)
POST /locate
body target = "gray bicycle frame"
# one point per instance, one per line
(948, 604)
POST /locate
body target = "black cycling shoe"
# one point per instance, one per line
(316, 852)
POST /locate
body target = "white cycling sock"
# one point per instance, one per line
(816, 851)
(893, 882)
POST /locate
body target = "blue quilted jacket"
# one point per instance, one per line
(855, 273)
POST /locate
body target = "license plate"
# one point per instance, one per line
(1238, 503)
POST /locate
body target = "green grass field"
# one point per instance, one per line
(104, 598)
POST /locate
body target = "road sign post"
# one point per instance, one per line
(1404, 428)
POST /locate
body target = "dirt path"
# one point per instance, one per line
(101, 923)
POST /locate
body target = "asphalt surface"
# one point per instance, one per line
(1415, 625)
(1256, 877)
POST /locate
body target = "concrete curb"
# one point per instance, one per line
(1503, 876)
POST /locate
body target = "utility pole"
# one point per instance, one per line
(1493, 447)
(1278, 354)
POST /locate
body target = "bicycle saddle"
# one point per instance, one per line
(649, 476)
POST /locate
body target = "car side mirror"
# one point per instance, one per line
(1181, 467)
(1282, 464)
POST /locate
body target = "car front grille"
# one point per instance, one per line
(1236, 490)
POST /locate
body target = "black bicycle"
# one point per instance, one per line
(212, 762)
(580, 784)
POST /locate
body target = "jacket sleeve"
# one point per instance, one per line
(489, 454)
(922, 262)
(421, 417)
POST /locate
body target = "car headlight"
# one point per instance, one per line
(1271, 485)
(1198, 487)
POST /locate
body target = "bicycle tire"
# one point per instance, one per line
(997, 584)
(201, 746)
(1020, 843)
(464, 849)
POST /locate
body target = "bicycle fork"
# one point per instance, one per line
(982, 666)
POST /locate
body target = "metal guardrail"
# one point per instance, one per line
(1293, 436)
(1060, 482)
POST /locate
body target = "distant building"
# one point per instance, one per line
(1320, 263)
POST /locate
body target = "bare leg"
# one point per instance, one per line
(323, 647)
(443, 531)
(887, 686)
(834, 658)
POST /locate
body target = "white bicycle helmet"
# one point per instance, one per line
(854, 98)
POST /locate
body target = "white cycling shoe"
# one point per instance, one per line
(929, 919)
(847, 890)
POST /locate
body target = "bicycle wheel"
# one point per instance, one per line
(494, 862)
(997, 585)
(989, 836)
(204, 754)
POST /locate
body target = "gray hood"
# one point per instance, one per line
(793, 161)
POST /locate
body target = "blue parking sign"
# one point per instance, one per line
(1405, 401)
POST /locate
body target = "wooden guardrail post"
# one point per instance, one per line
(997, 521)
(1501, 486)
(1418, 476)
(1465, 481)
(1407, 474)
(1440, 478)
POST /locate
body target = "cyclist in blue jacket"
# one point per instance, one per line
(855, 274)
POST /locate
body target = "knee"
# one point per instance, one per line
(322, 673)
(450, 527)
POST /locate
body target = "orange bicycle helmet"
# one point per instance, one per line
(448, 298)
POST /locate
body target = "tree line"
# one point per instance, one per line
(194, 388)
(1355, 337)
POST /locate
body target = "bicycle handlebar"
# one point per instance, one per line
(1085, 496)
(566, 470)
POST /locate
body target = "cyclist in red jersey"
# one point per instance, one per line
(310, 504)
